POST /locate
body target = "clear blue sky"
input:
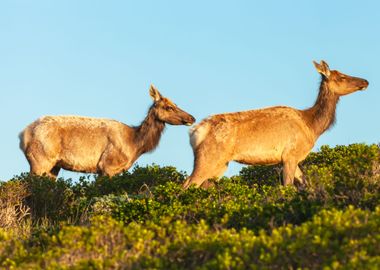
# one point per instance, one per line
(98, 58)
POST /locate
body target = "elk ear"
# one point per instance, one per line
(322, 68)
(156, 96)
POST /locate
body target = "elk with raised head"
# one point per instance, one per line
(94, 145)
(270, 135)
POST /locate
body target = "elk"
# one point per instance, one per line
(268, 136)
(94, 145)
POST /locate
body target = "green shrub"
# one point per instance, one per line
(346, 174)
(143, 219)
(340, 176)
(261, 175)
(227, 205)
(332, 239)
(135, 182)
(50, 200)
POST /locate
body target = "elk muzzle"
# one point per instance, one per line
(189, 121)
(364, 84)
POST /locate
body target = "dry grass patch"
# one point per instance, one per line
(12, 207)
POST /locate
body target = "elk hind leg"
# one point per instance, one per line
(299, 175)
(289, 172)
(205, 170)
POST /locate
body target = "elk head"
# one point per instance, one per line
(339, 83)
(166, 111)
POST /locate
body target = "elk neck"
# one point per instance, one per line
(321, 116)
(148, 133)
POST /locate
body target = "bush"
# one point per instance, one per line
(228, 205)
(332, 239)
(346, 174)
(135, 182)
(12, 206)
(340, 176)
(144, 219)
(261, 175)
(50, 200)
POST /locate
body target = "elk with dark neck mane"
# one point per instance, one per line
(94, 145)
(270, 135)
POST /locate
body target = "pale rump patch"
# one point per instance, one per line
(198, 134)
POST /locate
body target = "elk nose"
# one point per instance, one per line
(190, 121)
(365, 84)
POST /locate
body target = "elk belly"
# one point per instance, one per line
(82, 153)
(259, 155)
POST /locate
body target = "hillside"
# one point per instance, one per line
(144, 220)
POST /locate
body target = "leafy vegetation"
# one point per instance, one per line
(144, 220)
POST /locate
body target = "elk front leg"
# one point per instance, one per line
(205, 170)
(41, 164)
(113, 162)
